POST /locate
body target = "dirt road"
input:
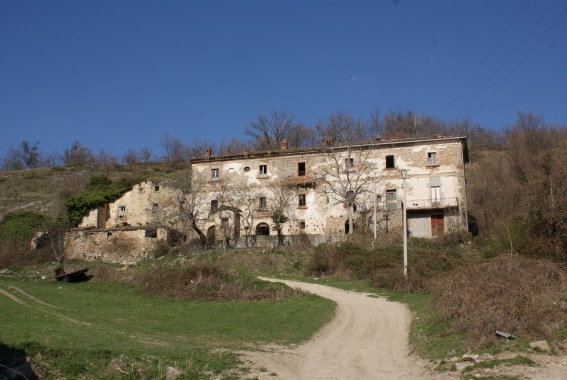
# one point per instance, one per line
(367, 339)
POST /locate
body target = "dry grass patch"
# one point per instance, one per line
(209, 282)
(511, 293)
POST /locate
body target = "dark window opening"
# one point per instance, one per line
(263, 170)
(156, 188)
(301, 169)
(151, 233)
(154, 207)
(302, 224)
(214, 205)
(349, 163)
(302, 200)
(390, 164)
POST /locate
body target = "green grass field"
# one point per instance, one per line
(87, 324)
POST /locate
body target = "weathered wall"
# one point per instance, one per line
(146, 204)
(434, 163)
(117, 246)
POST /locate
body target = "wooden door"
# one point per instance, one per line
(437, 225)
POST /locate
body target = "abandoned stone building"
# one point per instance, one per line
(309, 195)
(130, 228)
(324, 191)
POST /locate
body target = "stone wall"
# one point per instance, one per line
(116, 246)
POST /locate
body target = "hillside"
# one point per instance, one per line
(45, 190)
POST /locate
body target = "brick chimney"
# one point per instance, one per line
(377, 137)
(284, 144)
(208, 152)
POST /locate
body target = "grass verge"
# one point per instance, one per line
(78, 328)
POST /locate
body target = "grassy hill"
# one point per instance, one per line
(45, 190)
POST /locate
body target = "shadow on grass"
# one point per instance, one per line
(14, 364)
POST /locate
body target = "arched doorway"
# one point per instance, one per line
(347, 227)
(262, 229)
(211, 235)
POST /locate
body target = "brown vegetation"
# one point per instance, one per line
(512, 293)
(209, 282)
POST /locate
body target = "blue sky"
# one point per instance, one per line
(119, 74)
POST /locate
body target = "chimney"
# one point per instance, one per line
(284, 144)
(246, 151)
(329, 141)
(208, 152)
(377, 137)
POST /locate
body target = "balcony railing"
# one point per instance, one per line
(420, 204)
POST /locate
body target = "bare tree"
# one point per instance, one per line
(175, 150)
(78, 154)
(268, 131)
(342, 128)
(131, 157)
(347, 177)
(27, 156)
(145, 154)
(280, 202)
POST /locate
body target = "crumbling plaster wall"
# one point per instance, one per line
(321, 215)
(148, 203)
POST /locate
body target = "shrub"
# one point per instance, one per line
(208, 282)
(79, 205)
(511, 293)
(383, 266)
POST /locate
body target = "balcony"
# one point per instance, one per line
(420, 204)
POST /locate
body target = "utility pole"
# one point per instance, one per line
(405, 224)
(375, 195)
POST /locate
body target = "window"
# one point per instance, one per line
(151, 233)
(224, 223)
(302, 200)
(431, 161)
(390, 163)
(156, 188)
(302, 224)
(214, 205)
(121, 210)
(435, 196)
(247, 168)
(154, 208)
(300, 169)
(263, 170)
(391, 200)
(214, 174)
(349, 163)
(263, 203)
(350, 197)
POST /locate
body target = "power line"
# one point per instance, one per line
(507, 58)
(484, 58)
(519, 63)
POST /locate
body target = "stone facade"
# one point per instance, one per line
(239, 191)
(125, 245)
(130, 228)
(318, 190)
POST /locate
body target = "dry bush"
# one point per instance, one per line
(383, 265)
(511, 293)
(105, 272)
(209, 282)
(14, 253)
